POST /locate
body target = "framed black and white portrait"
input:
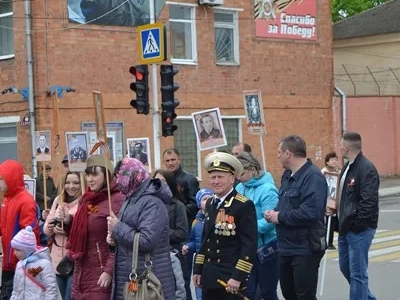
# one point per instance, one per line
(43, 145)
(30, 186)
(254, 112)
(209, 129)
(332, 179)
(139, 148)
(77, 148)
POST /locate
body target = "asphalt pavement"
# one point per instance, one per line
(384, 260)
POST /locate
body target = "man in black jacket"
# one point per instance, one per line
(358, 212)
(188, 186)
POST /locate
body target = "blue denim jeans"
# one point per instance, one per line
(266, 277)
(64, 285)
(353, 262)
(198, 293)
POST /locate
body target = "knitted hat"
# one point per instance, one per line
(98, 160)
(201, 193)
(25, 240)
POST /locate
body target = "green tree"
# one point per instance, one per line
(342, 9)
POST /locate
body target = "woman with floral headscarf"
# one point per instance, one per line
(144, 211)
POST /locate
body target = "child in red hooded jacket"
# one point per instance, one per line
(18, 211)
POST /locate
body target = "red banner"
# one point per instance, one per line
(286, 19)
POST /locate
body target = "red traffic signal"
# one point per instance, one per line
(138, 72)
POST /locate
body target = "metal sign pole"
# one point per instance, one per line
(156, 123)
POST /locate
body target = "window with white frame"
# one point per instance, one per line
(6, 32)
(186, 142)
(226, 37)
(182, 25)
(8, 141)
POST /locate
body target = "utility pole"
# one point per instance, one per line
(156, 122)
(31, 98)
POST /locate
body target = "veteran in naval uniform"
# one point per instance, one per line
(230, 233)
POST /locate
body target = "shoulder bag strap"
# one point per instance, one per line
(135, 253)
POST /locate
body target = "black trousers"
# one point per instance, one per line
(332, 229)
(7, 282)
(298, 276)
(218, 294)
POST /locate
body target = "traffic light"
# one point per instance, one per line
(141, 88)
(168, 101)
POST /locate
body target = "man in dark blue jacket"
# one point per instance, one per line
(299, 219)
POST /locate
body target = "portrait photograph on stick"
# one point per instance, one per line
(99, 116)
(30, 186)
(209, 129)
(43, 145)
(139, 148)
(332, 179)
(253, 107)
(110, 146)
(77, 149)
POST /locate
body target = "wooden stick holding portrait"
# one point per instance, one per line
(101, 132)
(43, 155)
(332, 180)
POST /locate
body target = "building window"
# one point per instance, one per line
(226, 37)
(6, 34)
(8, 141)
(182, 25)
(186, 142)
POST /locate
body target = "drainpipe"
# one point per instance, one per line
(344, 114)
(31, 99)
(344, 108)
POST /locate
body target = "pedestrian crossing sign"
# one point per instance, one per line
(151, 41)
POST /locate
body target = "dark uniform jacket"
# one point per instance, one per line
(359, 202)
(215, 133)
(229, 241)
(188, 186)
(78, 154)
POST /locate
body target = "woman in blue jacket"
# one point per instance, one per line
(258, 186)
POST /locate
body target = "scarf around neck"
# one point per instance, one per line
(76, 243)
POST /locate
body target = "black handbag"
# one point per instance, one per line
(65, 267)
(268, 251)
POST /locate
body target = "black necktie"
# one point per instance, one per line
(217, 201)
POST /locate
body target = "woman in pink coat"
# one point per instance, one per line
(69, 197)
(87, 246)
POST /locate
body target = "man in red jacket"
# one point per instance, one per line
(18, 210)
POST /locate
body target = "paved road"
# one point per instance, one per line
(384, 260)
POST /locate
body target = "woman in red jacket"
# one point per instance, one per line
(86, 244)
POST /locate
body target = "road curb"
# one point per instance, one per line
(389, 192)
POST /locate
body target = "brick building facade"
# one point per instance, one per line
(294, 75)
